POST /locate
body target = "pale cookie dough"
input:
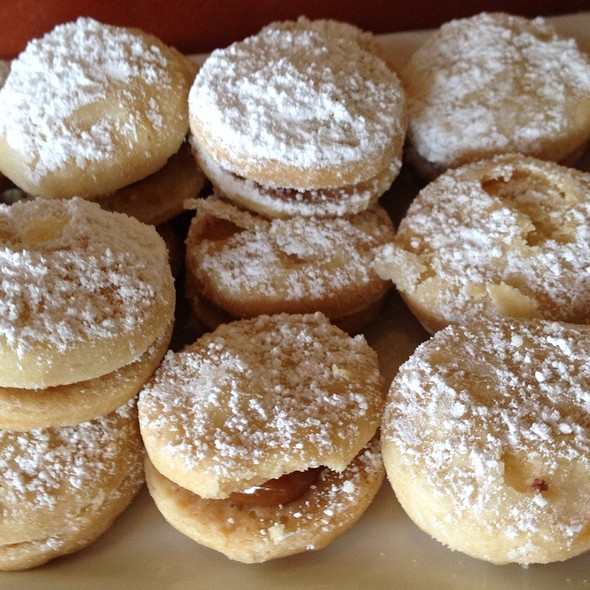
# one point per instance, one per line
(68, 405)
(160, 197)
(254, 534)
(241, 265)
(507, 236)
(496, 83)
(63, 487)
(89, 108)
(83, 291)
(287, 202)
(301, 109)
(486, 439)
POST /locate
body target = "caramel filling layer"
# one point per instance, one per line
(278, 491)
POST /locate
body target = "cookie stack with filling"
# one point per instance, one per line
(262, 437)
(302, 124)
(486, 439)
(99, 111)
(86, 313)
(239, 264)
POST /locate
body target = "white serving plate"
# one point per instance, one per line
(383, 550)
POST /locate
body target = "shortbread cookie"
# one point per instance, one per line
(63, 487)
(502, 237)
(275, 397)
(253, 533)
(89, 108)
(486, 439)
(68, 405)
(83, 291)
(300, 108)
(495, 83)
(245, 265)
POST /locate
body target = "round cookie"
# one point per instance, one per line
(63, 487)
(83, 292)
(69, 405)
(254, 534)
(299, 106)
(496, 83)
(257, 400)
(486, 439)
(243, 265)
(89, 108)
(506, 236)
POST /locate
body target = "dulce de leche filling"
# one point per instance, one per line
(278, 491)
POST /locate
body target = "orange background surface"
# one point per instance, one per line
(196, 26)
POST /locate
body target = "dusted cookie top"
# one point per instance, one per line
(299, 105)
(509, 236)
(43, 470)
(259, 398)
(249, 265)
(89, 108)
(63, 487)
(83, 291)
(486, 439)
(495, 83)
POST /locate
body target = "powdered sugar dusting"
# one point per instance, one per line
(488, 410)
(70, 69)
(289, 259)
(510, 225)
(40, 467)
(282, 202)
(261, 397)
(72, 273)
(493, 84)
(301, 97)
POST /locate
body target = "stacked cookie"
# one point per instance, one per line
(239, 264)
(262, 435)
(496, 83)
(502, 237)
(486, 439)
(100, 112)
(86, 312)
(301, 129)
